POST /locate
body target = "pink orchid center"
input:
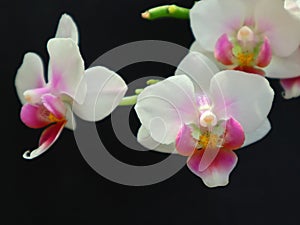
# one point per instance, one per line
(223, 134)
(209, 135)
(209, 138)
(38, 116)
(245, 59)
(245, 49)
(49, 116)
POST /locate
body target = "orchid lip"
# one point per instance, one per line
(48, 137)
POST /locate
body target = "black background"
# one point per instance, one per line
(60, 188)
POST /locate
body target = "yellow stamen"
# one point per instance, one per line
(245, 59)
(208, 138)
(53, 118)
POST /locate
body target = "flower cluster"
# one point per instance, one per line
(217, 101)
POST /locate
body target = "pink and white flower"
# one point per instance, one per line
(205, 115)
(247, 35)
(69, 88)
(291, 87)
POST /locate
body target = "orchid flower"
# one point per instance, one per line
(205, 114)
(247, 35)
(291, 87)
(69, 88)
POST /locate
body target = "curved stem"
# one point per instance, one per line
(166, 11)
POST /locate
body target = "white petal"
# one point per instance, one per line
(284, 67)
(71, 123)
(145, 139)
(30, 75)
(67, 28)
(258, 134)
(291, 5)
(212, 18)
(165, 106)
(245, 97)
(105, 90)
(66, 67)
(196, 47)
(281, 28)
(199, 69)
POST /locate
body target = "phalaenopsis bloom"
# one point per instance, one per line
(257, 36)
(205, 115)
(69, 88)
(291, 85)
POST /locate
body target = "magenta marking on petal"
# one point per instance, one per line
(34, 116)
(234, 135)
(194, 161)
(57, 82)
(48, 137)
(291, 87)
(208, 157)
(217, 174)
(290, 82)
(185, 143)
(50, 134)
(265, 55)
(223, 50)
(54, 105)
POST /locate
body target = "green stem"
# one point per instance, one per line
(166, 11)
(129, 100)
